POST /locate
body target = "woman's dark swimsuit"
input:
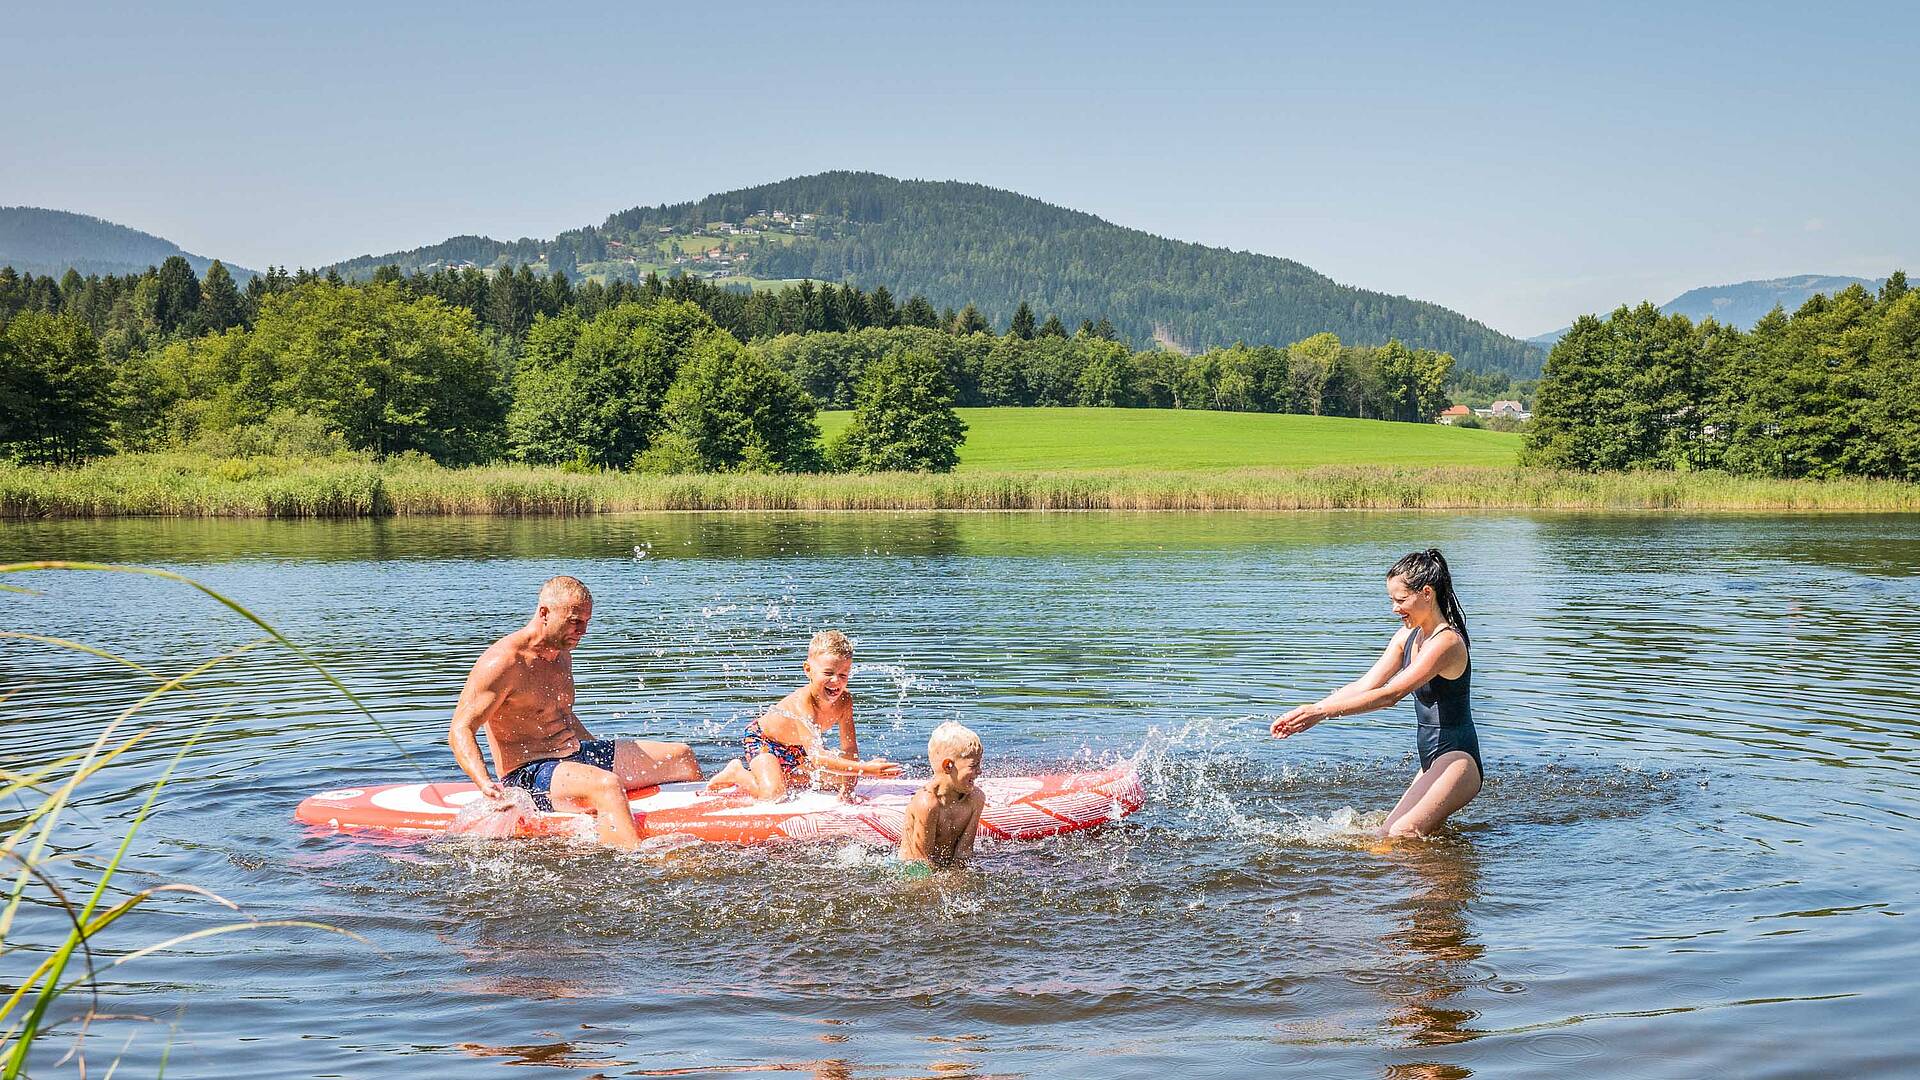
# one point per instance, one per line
(537, 776)
(1444, 712)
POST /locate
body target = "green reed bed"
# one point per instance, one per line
(185, 485)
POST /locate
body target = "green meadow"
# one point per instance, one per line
(757, 284)
(1188, 440)
(1014, 459)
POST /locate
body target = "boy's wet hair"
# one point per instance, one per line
(830, 643)
(952, 740)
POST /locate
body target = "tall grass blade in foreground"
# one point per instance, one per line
(28, 842)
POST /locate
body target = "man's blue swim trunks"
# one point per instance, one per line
(537, 776)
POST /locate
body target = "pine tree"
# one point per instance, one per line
(832, 310)
(1053, 327)
(176, 295)
(970, 321)
(918, 312)
(853, 309)
(1581, 397)
(1022, 324)
(256, 292)
(880, 309)
(221, 306)
(1895, 287)
(56, 392)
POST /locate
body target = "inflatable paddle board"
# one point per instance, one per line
(1018, 808)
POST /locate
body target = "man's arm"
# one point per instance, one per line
(479, 700)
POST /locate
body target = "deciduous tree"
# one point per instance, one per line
(904, 419)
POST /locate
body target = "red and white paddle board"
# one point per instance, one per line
(1018, 808)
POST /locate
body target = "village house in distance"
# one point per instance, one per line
(1502, 410)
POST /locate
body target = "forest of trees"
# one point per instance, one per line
(1831, 390)
(678, 374)
(468, 367)
(1318, 375)
(966, 243)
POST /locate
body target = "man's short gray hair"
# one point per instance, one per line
(564, 590)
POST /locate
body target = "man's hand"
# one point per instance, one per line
(880, 767)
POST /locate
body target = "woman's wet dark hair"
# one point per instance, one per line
(1429, 567)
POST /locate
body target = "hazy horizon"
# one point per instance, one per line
(1521, 172)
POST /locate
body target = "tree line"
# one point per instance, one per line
(1318, 375)
(325, 366)
(132, 311)
(468, 367)
(1832, 390)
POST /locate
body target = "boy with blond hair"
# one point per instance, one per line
(943, 816)
(786, 746)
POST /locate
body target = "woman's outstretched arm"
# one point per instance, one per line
(1383, 685)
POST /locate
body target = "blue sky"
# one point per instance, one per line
(1520, 166)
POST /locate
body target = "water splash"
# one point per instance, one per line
(902, 684)
(493, 818)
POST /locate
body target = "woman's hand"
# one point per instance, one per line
(1297, 720)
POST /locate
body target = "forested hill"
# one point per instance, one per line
(959, 243)
(49, 242)
(1745, 303)
(1748, 302)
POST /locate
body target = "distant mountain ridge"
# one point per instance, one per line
(1746, 302)
(49, 242)
(959, 243)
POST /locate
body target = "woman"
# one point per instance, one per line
(1429, 660)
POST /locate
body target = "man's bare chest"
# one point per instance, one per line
(540, 689)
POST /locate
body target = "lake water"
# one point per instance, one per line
(1695, 854)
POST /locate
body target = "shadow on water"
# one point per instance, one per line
(736, 536)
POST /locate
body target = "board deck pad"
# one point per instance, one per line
(1018, 808)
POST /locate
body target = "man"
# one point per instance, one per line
(521, 692)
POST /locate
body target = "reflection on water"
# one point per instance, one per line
(1435, 941)
(1691, 856)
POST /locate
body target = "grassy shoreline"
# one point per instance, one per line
(182, 485)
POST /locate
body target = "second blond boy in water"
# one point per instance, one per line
(944, 814)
